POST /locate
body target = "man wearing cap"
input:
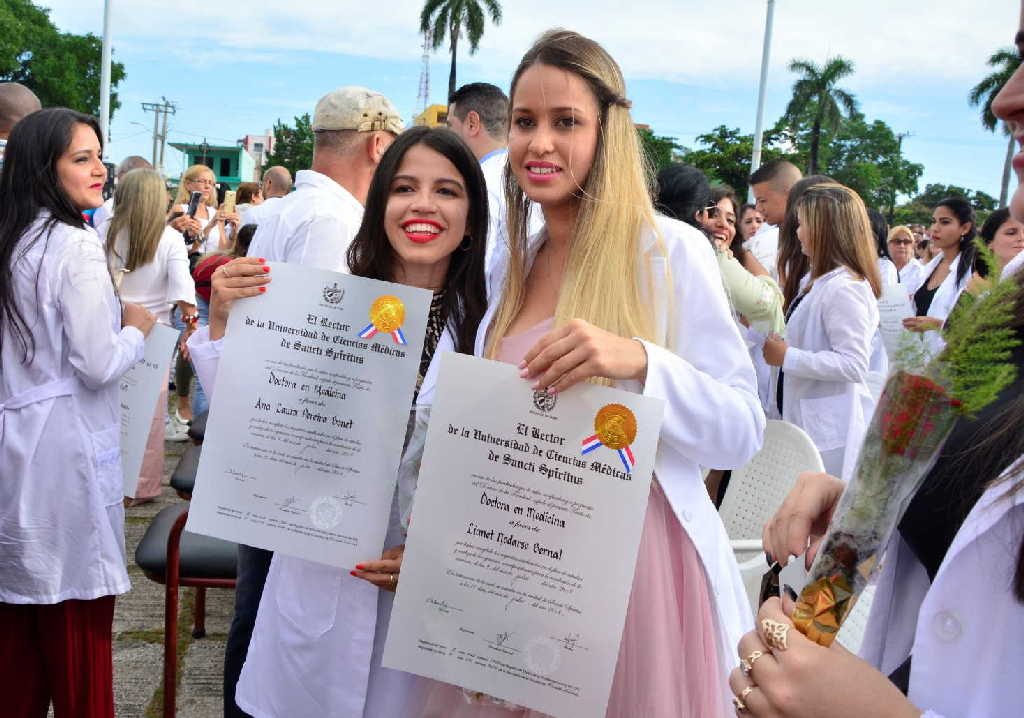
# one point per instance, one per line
(352, 126)
(313, 226)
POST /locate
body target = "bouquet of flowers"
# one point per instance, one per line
(915, 414)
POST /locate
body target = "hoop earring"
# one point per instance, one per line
(466, 244)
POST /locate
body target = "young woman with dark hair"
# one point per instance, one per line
(64, 343)
(946, 275)
(425, 225)
(750, 221)
(682, 192)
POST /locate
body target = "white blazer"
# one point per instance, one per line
(61, 511)
(826, 366)
(701, 369)
(944, 299)
(965, 630)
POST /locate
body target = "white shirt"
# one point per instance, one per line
(943, 300)
(965, 630)
(104, 213)
(255, 213)
(764, 245)
(910, 275)
(826, 365)
(211, 242)
(61, 511)
(713, 416)
(313, 225)
(159, 284)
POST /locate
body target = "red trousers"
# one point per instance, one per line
(60, 653)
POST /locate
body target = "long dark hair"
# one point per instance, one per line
(29, 185)
(683, 191)
(988, 232)
(371, 255)
(791, 262)
(964, 213)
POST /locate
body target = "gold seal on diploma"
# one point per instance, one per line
(387, 313)
(615, 426)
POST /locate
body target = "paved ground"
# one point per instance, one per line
(139, 632)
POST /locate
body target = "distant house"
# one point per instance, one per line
(230, 164)
(433, 116)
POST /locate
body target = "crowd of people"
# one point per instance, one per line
(551, 248)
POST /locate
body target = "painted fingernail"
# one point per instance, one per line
(266, 268)
(790, 592)
(353, 573)
(262, 260)
(360, 566)
(262, 289)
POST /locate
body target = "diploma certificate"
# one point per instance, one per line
(307, 423)
(524, 535)
(140, 390)
(893, 307)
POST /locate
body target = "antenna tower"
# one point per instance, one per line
(424, 97)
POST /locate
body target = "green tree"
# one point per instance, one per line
(919, 209)
(724, 156)
(63, 69)
(448, 19)
(1004, 63)
(660, 151)
(293, 146)
(867, 157)
(817, 103)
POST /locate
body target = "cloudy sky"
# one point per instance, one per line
(689, 65)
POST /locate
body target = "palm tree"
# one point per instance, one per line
(1005, 62)
(816, 93)
(449, 18)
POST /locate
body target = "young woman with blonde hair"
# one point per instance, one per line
(824, 360)
(149, 264)
(609, 292)
(211, 229)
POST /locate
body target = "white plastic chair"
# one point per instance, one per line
(756, 491)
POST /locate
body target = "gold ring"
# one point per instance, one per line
(738, 703)
(747, 664)
(775, 634)
(746, 692)
(394, 579)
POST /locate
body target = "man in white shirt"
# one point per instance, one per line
(277, 183)
(16, 101)
(105, 211)
(313, 226)
(771, 184)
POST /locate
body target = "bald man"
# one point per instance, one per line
(16, 101)
(771, 184)
(277, 183)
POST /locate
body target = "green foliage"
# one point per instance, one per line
(450, 19)
(818, 105)
(919, 209)
(63, 69)
(867, 158)
(1004, 62)
(293, 146)
(979, 341)
(660, 151)
(724, 156)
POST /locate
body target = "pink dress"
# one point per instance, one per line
(668, 659)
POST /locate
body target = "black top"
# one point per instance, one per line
(923, 298)
(782, 377)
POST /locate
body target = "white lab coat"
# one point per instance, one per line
(61, 511)
(965, 630)
(826, 366)
(944, 299)
(319, 636)
(701, 369)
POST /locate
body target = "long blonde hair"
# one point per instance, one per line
(839, 233)
(140, 203)
(602, 284)
(190, 174)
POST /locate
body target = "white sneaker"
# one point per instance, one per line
(175, 430)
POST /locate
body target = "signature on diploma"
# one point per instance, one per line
(351, 499)
(442, 606)
(570, 642)
(500, 642)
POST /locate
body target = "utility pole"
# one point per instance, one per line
(163, 108)
(105, 79)
(766, 49)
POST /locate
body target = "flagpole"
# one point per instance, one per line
(105, 79)
(755, 159)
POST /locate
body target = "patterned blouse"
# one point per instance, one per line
(436, 320)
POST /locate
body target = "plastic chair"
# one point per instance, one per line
(756, 491)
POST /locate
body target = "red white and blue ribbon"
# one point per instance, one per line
(625, 453)
(370, 331)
